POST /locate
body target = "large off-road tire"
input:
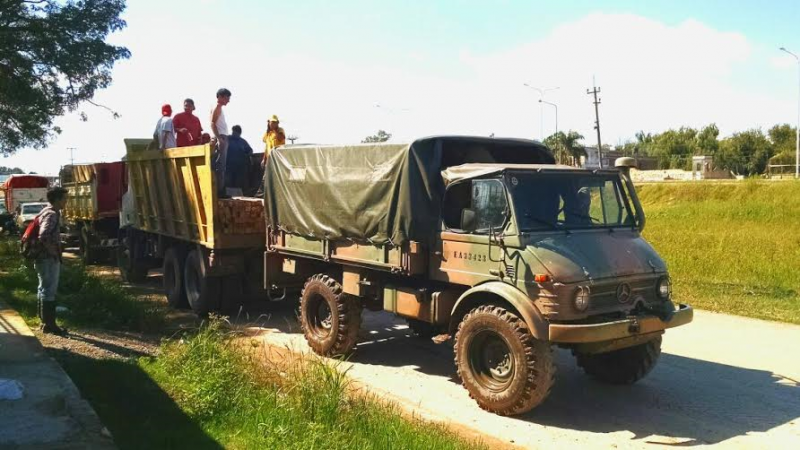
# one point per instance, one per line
(202, 292)
(131, 269)
(421, 329)
(624, 366)
(504, 368)
(329, 318)
(174, 287)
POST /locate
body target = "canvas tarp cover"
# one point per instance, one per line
(375, 193)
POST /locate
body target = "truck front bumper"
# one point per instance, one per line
(621, 329)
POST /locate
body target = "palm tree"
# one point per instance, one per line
(567, 147)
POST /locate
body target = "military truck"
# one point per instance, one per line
(486, 241)
(91, 215)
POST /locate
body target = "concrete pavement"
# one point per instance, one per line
(51, 413)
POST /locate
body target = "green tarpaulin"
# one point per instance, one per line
(376, 193)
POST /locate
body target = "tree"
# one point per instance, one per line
(745, 153)
(567, 147)
(706, 141)
(380, 136)
(10, 171)
(53, 57)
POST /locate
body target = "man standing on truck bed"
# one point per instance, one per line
(187, 125)
(220, 129)
(273, 138)
(48, 264)
(239, 152)
(164, 129)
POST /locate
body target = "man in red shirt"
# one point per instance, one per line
(187, 126)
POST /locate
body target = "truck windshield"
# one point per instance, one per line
(569, 200)
(32, 209)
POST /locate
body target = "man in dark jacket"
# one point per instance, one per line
(48, 264)
(238, 163)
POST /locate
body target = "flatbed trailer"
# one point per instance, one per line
(203, 244)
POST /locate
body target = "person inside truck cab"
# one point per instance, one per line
(165, 132)
(187, 126)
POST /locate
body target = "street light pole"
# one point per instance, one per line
(554, 106)
(542, 92)
(797, 125)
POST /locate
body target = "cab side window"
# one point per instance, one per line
(475, 206)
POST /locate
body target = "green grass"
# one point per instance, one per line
(92, 301)
(730, 247)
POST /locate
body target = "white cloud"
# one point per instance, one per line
(653, 76)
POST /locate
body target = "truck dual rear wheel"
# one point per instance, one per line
(130, 268)
(624, 366)
(504, 368)
(174, 287)
(202, 292)
(330, 319)
(88, 254)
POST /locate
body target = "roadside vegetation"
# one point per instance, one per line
(731, 247)
(209, 386)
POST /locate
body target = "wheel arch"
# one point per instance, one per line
(504, 294)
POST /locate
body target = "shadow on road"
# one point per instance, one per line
(698, 401)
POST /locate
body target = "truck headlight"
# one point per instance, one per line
(582, 298)
(664, 289)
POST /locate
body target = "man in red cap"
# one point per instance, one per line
(165, 132)
(187, 126)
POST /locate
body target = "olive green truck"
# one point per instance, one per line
(484, 242)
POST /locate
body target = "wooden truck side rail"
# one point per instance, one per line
(175, 195)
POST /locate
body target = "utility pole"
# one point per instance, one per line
(594, 91)
(71, 155)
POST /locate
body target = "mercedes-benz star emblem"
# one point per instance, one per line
(624, 292)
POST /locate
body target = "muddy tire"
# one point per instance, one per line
(421, 329)
(329, 318)
(202, 292)
(504, 368)
(130, 267)
(174, 287)
(624, 366)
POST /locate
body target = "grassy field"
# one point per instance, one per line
(730, 247)
(203, 390)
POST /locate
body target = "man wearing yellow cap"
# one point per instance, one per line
(274, 137)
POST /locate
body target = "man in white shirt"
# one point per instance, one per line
(165, 131)
(219, 126)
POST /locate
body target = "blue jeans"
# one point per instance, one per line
(48, 270)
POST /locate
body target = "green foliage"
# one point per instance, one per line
(731, 247)
(53, 57)
(567, 148)
(783, 138)
(10, 171)
(380, 136)
(745, 153)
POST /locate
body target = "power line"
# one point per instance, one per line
(594, 91)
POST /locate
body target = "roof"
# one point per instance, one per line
(474, 170)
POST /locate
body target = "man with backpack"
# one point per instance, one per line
(42, 243)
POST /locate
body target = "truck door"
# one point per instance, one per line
(472, 211)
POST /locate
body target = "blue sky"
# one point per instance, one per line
(444, 67)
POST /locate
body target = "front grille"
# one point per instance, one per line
(604, 295)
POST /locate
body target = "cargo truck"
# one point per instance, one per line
(91, 215)
(482, 241)
(21, 189)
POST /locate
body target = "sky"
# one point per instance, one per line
(336, 72)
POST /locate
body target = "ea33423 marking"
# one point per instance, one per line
(469, 256)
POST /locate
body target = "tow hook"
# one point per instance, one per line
(634, 327)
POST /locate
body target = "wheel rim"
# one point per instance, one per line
(491, 360)
(320, 316)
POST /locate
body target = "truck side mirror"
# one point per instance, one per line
(468, 219)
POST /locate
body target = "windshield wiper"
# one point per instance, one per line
(582, 215)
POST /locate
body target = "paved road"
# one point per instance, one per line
(725, 381)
